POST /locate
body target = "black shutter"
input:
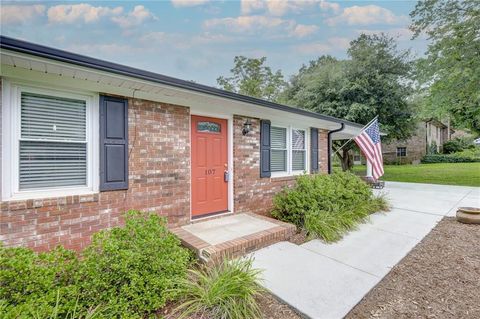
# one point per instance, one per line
(113, 143)
(265, 148)
(314, 150)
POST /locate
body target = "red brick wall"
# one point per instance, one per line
(159, 169)
(323, 151)
(159, 180)
(252, 193)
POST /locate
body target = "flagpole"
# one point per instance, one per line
(363, 129)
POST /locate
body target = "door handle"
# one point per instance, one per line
(226, 175)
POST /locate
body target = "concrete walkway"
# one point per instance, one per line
(327, 280)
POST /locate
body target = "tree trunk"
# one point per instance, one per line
(345, 156)
(347, 160)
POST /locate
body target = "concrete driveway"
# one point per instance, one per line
(327, 280)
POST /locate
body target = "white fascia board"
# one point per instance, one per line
(348, 132)
(162, 93)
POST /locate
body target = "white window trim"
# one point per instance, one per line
(11, 130)
(289, 171)
(296, 172)
(400, 152)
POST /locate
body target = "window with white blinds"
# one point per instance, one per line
(278, 150)
(298, 150)
(288, 150)
(53, 142)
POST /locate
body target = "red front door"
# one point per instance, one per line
(209, 163)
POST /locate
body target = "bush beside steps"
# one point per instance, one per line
(127, 272)
(327, 206)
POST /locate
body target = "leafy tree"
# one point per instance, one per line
(253, 78)
(449, 76)
(373, 81)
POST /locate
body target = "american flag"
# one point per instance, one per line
(369, 143)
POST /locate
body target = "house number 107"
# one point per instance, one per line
(210, 171)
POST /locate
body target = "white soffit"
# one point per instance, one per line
(27, 67)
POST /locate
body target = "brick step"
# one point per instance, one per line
(240, 246)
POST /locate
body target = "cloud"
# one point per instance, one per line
(282, 7)
(365, 15)
(249, 6)
(333, 6)
(18, 14)
(188, 3)
(247, 23)
(256, 24)
(317, 48)
(137, 16)
(74, 13)
(302, 30)
(86, 13)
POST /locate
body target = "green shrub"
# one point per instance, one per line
(34, 281)
(472, 153)
(457, 145)
(443, 158)
(127, 272)
(432, 148)
(74, 313)
(224, 291)
(469, 155)
(133, 270)
(327, 206)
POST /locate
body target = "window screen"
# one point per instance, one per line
(53, 147)
(278, 157)
(298, 150)
(401, 151)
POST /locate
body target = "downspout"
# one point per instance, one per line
(329, 145)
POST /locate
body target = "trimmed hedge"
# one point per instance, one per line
(127, 272)
(470, 155)
(442, 158)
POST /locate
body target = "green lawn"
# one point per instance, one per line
(466, 174)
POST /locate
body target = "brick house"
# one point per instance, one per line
(83, 140)
(428, 134)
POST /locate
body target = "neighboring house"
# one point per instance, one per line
(429, 136)
(83, 140)
(358, 158)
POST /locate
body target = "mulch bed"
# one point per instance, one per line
(299, 238)
(439, 278)
(271, 308)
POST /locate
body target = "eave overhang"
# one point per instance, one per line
(54, 62)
